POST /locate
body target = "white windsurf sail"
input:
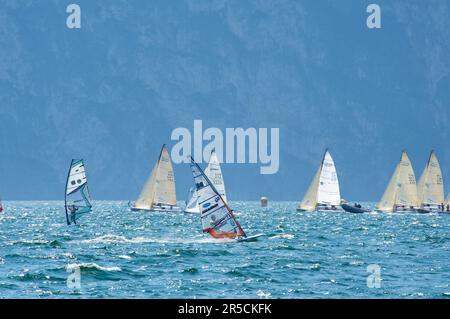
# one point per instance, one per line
(402, 188)
(431, 187)
(77, 197)
(160, 187)
(214, 173)
(324, 188)
(217, 218)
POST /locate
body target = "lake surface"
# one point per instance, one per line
(124, 254)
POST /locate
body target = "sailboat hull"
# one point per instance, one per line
(192, 211)
(406, 210)
(168, 209)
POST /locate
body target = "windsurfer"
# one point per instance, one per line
(73, 210)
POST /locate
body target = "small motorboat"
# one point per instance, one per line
(355, 209)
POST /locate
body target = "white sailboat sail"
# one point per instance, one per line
(401, 193)
(431, 188)
(191, 204)
(407, 187)
(324, 189)
(328, 192)
(159, 190)
(214, 173)
(77, 197)
(217, 218)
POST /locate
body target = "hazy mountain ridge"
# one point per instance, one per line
(113, 91)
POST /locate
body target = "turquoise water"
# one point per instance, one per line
(124, 254)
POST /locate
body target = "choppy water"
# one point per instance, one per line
(124, 254)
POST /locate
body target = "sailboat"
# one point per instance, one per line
(323, 194)
(447, 204)
(214, 174)
(158, 193)
(401, 193)
(217, 217)
(77, 199)
(430, 189)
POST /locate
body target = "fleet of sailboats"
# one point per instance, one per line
(208, 197)
(430, 189)
(77, 198)
(214, 173)
(158, 193)
(401, 192)
(323, 194)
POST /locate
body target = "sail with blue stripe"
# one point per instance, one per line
(77, 197)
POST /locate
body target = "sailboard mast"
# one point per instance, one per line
(212, 207)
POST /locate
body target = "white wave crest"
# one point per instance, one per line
(115, 239)
(93, 266)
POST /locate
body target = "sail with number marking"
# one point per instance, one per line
(402, 189)
(159, 190)
(214, 173)
(431, 187)
(77, 197)
(217, 217)
(324, 189)
(328, 192)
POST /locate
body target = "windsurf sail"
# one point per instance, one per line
(214, 173)
(324, 188)
(402, 188)
(160, 186)
(217, 217)
(431, 187)
(77, 197)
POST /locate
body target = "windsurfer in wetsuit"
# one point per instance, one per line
(73, 209)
